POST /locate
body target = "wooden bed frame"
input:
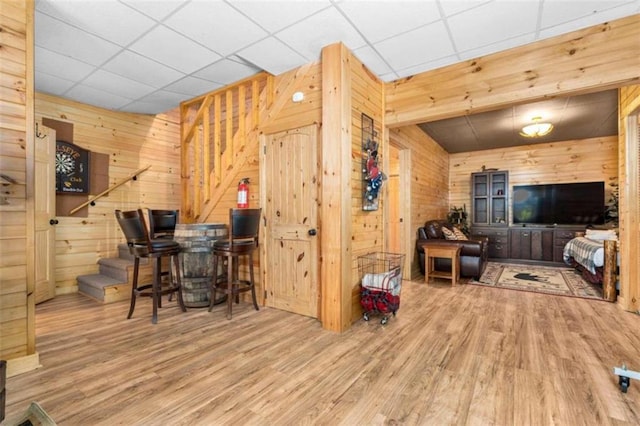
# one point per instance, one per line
(607, 275)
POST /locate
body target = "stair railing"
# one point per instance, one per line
(92, 201)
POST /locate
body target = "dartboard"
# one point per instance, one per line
(64, 163)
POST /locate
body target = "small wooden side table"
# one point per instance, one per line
(431, 252)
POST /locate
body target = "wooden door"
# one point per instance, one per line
(291, 269)
(45, 208)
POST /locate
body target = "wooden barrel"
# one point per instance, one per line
(196, 260)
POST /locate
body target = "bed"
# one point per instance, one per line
(595, 256)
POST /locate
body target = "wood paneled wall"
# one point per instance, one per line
(584, 160)
(17, 321)
(429, 188)
(367, 227)
(132, 141)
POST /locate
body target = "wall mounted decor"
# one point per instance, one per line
(372, 175)
(72, 169)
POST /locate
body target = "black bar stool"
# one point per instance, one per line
(244, 225)
(140, 245)
(162, 223)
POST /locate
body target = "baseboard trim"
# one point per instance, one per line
(23, 364)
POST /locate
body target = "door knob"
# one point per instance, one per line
(53, 222)
(312, 232)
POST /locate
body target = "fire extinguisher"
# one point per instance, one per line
(243, 193)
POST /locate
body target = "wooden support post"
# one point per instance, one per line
(610, 271)
(336, 264)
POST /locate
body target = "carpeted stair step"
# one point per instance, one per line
(115, 268)
(113, 282)
(97, 285)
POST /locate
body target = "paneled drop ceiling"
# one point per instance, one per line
(147, 56)
(576, 117)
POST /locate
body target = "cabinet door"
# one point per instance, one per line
(480, 198)
(490, 198)
(542, 245)
(520, 244)
(499, 201)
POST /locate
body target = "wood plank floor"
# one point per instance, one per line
(467, 355)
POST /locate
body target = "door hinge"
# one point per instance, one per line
(264, 149)
(265, 294)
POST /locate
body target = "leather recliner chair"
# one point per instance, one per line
(473, 254)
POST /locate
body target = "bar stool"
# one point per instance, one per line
(140, 245)
(162, 223)
(244, 225)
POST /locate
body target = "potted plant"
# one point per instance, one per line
(457, 216)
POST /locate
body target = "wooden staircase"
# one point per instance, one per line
(113, 282)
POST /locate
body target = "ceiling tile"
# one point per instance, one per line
(193, 86)
(69, 41)
(174, 50)
(272, 55)
(310, 35)
(62, 66)
(157, 9)
(142, 69)
(153, 108)
(150, 107)
(592, 115)
(379, 20)
(162, 96)
(416, 46)
(608, 97)
(559, 12)
(492, 23)
(108, 19)
(51, 84)
(453, 7)
(113, 83)
(548, 110)
(226, 71)
(91, 96)
(373, 61)
(276, 15)
(216, 25)
(593, 19)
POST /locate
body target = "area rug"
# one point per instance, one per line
(541, 279)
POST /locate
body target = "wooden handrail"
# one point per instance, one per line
(108, 190)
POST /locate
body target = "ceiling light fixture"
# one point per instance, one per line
(537, 129)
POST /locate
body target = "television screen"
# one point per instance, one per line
(559, 204)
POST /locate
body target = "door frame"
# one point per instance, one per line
(404, 198)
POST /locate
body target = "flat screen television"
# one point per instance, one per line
(559, 204)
